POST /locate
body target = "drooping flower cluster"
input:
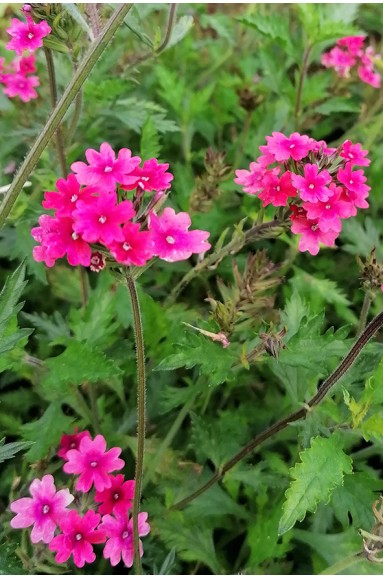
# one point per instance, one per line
(318, 184)
(350, 53)
(70, 532)
(18, 76)
(94, 220)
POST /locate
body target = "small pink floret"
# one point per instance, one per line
(119, 533)
(71, 442)
(118, 498)
(27, 35)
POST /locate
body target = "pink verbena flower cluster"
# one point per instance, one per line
(317, 183)
(71, 532)
(94, 220)
(18, 76)
(349, 53)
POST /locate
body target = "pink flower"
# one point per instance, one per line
(340, 60)
(354, 154)
(328, 213)
(251, 180)
(71, 442)
(321, 147)
(118, 498)
(43, 511)
(353, 43)
(24, 64)
(21, 86)
(79, 533)
(119, 531)
(368, 76)
(151, 177)
(69, 192)
(99, 220)
(171, 239)
(104, 169)
(136, 247)
(57, 239)
(354, 181)
(283, 148)
(312, 186)
(312, 235)
(27, 35)
(93, 463)
(277, 191)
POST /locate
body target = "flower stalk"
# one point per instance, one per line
(141, 400)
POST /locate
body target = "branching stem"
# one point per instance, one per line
(327, 385)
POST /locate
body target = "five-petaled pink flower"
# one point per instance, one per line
(136, 247)
(251, 180)
(78, 535)
(354, 154)
(43, 511)
(68, 192)
(312, 186)
(172, 241)
(152, 176)
(27, 35)
(24, 64)
(118, 498)
(21, 86)
(328, 214)
(104, 169)
(119, 532)
(283, 148)
(71, 442)
(93, 463)
(99, 219)
(277, 191)
(312, 235)
(354, 181)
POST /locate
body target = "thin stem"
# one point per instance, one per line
(342, 564)
(53, 92)
(264, 230)
(333, 378)
(169, 28)
(94, 18)
(365, 310)
(141, 395)
(297, 110)
(85, 68)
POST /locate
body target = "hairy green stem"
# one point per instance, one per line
(342, 564)
(327, 385)
(298, 102)
(365, 310)
(169, 28)
(83, 71)
(141, 398)
(264, 230)
(53, 92)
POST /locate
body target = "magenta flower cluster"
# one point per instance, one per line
(69, 532)
(18, 77)
(350, 53)
(319, 184)
(93, 218)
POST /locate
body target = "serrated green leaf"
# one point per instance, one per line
(181, 28)
(10, 335)
(10, 563)
(356, 496)
(46, 431)
(338, 104)
(320, 471)
(150, 142)
(8, 451)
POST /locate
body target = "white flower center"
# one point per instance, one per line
(46, 509)
(125, 535)
(108, 169)
(30, 36)
(102, 219)
(74, 198)
(73, 445)
(314, 227)
(328, 206)
(126, 246)
(116, 496)
(93, 464)
(292, 146)
(278, 188)
(351, 182)
(311, 186)
(351, 156)
(171, 240)
(74, 236)
(78, 537)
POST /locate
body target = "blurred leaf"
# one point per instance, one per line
(181, 28)
(79, 18)
(8, 451)
(150, 142)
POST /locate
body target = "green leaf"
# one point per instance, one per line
(181, 28)
(338, 104)
(46, 431)
(10, 563)
(8, 451)
(10, 336)
(79, 18)
(150, 142)
(294, 313)
(356, 497)
(361, 237)
(320, 471)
